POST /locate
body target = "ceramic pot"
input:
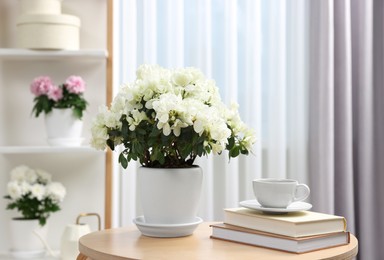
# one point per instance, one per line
(170, 196)
(63, 128)
(26, 238)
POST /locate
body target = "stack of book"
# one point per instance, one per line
(297, 232)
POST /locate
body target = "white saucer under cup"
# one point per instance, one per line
(293, 207)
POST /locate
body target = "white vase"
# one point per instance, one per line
(170, 196)
(26, 238)
(63, 128)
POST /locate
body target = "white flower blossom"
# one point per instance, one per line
(25, 187)
(108, 118)
(14, 190)
(151, 72)
(105, 119)
(182, 78)
(56, 191)
(135, 119)
(43, 176)
(38, 191)
(172, 114)
(19, 172)
(169, 101)
(28, 190)
(249, 138)
(30, 176)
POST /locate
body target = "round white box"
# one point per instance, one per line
(40, 6)
(48, 31)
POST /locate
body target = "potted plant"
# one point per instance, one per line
(165, 119)
(63, 107)
(33, 194)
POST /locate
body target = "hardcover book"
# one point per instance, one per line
(278, 242)
(294, 224)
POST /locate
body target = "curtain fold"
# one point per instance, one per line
(362, 50)
(344, 178)
(250, 91)
(321, 109)
(378, 108)
(297, 89)
(274, 66)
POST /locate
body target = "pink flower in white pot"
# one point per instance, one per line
(75, 84)
(55, 93)
(41, 86)
(67, 95)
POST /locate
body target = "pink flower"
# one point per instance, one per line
(75, 84)
(41, 86)
(55, 93)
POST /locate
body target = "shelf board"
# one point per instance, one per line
(23, 54)
(46, 149)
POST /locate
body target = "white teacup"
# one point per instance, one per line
(279, 193)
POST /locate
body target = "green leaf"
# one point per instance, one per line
(78, 113)
(186, 151)
(124, 129)
(231, 143)
(42, 221)
(151, 141)
(200, 149)
(161, 158)
(234, 152)
(123, 161)
(114, 133)
(139, 148)
(111, 144)
(244, 151)
(155, 132)
(141, 131)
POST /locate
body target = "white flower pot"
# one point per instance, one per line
(63, 128)
(170, 196)
(24, 238)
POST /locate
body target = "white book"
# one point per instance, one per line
(278, 242)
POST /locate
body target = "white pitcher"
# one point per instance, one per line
(71, 236)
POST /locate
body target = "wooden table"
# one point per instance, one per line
(128, 243)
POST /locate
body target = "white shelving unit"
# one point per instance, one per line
(83, 170)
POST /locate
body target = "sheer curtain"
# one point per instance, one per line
(256, 54)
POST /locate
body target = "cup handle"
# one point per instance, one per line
(305, 192)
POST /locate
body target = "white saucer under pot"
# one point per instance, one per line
(166, 230)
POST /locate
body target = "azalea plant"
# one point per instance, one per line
(166, 118)
(67, 95)
(33, 194)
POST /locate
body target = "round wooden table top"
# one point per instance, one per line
(129, 243)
